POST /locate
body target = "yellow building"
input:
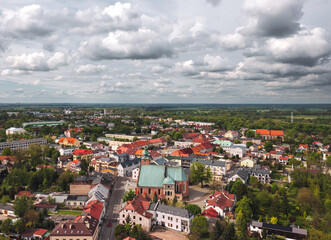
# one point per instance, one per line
(248, 162)
(111, 170)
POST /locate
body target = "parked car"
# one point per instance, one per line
(109, 224)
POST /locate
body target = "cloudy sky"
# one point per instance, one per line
(174, 51)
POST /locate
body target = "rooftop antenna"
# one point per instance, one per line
(292, 117)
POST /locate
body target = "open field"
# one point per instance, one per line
(67, 212)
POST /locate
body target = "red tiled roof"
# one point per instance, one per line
(270, 132)
(22, 193)
(94, 208)
(82, 152)
(9, 158)
(190, 135)
(283, 158)
(41, 232)
(139, 205)
(222, 199)
(70, 140)
(303, 145)
(185, 152)
(210, 212)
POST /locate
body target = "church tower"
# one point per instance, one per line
(146, 158)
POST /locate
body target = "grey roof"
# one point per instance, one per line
(129, 163)
(160, 161)
(280, 228)
(6, 207)
(243, 173)
(211, 162)
(170, 210)
(187, 159)
(77, 198)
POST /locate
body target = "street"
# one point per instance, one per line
(112, 211)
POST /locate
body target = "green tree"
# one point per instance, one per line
(273, 220)
(5, 199)
(174, 201)
(217, 230)
(22, 205)
(6, 226)
(244, 206)
(241, 223)
(268, 146)
(168, 138)
(177, 136)
(19, 226)
(193, 208)
(199, 227)
(129, 195)
(6, 152)
(200, 174)
(155, 198)
(250, 133)
(248, 144)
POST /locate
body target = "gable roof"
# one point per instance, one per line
(170, 210)
(139, 205)
(222, 200)
(69, 140)
(82, 152)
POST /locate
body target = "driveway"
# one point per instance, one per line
(198, 195)
(167, 234)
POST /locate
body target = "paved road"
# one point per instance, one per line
(112, 211)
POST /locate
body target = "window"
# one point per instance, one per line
(176, 219)
(162, 216)
(149, 191)
(141, 190)
(159, 192)
(140, 219)
(123, 215)
(134, 217)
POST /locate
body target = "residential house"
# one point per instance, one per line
(7, 210)
(43, 205)
(222, 202)
(69, 132)
(171, 217)
(76, 201)
(13, 130)
(137, 212)
(125, 168)
(274, 229)
(218, 168)
(83, 228)
(66, 151)
(283, 160)
(237, 150)
(71, 142)
(247, 162)
(80, 154)
(239, 173)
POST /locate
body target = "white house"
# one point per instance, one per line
(222, 202)
(135, 174)
(13, 130)
(125, 168)
(171, 217)
(66, 151)
(237, 149)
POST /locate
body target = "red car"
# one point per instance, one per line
(109, 224)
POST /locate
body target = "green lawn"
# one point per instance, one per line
(67, 212)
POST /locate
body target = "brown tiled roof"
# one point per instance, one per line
(222, 199)
(139, 205)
